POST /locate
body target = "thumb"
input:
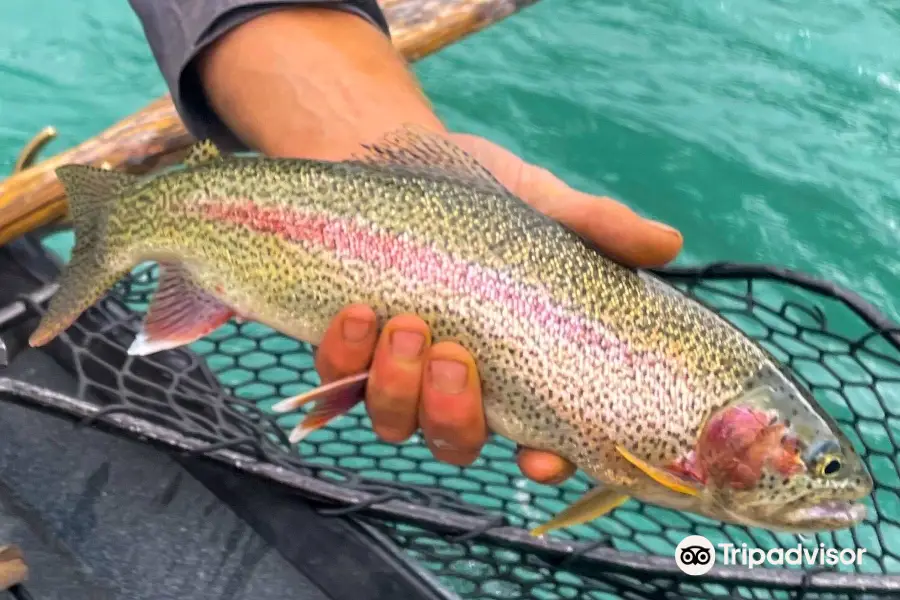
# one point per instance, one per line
(618, 231)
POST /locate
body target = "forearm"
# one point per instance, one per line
(310, 82)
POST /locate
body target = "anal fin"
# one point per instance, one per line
(180, 313)
(592, 505)
(332, 400)
(669, 480)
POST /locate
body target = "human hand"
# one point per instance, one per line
(415, 383)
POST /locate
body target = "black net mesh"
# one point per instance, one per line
(469, 525)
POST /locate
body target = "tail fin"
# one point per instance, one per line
(92, 270)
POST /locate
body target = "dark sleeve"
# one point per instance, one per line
(177, 30)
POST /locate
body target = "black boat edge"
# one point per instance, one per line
(118, 518)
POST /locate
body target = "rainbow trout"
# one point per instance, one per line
(644, 389)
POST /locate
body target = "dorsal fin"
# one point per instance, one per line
(202, 152)
(418, 149)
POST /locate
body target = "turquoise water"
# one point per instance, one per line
(765, 131)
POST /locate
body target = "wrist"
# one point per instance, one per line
(311, 82)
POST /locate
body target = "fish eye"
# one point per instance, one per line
(829, 465)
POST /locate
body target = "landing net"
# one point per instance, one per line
(469, 525)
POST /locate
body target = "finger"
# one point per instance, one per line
(618, 231)
(392, 396)
(450, 411)
(544, 467)
(348, 343)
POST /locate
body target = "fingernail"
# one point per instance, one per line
(442, 444)
(355, 330)
(407, 344)
(663, 227)
(448, 376)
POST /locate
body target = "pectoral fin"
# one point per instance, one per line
(660, 476)
(593, 505)
(332, 400)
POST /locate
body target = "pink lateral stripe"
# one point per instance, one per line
(388, 252)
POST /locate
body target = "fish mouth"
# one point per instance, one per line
(829, 514)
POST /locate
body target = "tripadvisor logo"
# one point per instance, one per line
(696, 555)
(798, 555)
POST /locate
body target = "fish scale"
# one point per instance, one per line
(578, 355)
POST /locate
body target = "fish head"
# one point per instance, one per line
(773, 458)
